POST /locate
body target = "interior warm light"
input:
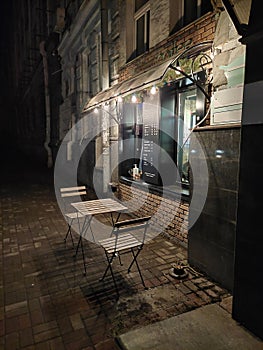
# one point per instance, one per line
(153, 90)
(134, 99)
(177, 72)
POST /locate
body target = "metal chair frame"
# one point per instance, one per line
(122, 241)
(66, 192)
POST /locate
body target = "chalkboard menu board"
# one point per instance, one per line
(150, 151)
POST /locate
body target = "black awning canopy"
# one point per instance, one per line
(145, 79)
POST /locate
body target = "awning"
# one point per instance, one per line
(143, 80)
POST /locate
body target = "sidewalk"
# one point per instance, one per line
(47, 303)
(208, 327)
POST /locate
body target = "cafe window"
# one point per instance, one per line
(181, 105)
(131, 143)
(186, 121)
(142, 27)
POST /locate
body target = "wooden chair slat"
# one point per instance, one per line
(67, 189)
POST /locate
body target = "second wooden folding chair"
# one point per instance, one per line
(128, 237)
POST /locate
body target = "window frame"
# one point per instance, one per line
(142, 12)
(170, 94)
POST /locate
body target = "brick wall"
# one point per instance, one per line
(173, 210)
(201, 30)
(163, 209)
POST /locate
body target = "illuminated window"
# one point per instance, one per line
(166, 123)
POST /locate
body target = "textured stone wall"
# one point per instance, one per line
(159, 21)
(198, 31)
(163, 209)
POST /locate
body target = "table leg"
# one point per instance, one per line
(85, 227)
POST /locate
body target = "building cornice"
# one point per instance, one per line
(84, 13)
(170, 47)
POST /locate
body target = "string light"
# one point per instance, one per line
(153, 90)
(119, 99)
(96, 111)
(177, 72)
(134, 98)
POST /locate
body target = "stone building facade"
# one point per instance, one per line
(163, 47)
(29, 29)
(96, 63)
(171, 32)
(81, 65)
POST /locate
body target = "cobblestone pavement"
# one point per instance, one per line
(47, 302)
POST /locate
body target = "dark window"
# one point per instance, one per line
(142, 33)
(139, 4)
(194, 9)
(183, 104)
(206, 6)
(190, 11)
(131, 144)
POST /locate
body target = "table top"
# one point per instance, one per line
(99, 206)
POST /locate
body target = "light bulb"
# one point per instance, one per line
(96, 111)
(153, 90)
(177, 72)
(119, 99)
(134, 99)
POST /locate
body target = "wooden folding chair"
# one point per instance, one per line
(128, 237)
(68, 193)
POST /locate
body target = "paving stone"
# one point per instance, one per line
(212, 294)
(189, 284)
(226, 304)
(76, 321)
(49, 304)
(12, 341)
(26, 337)
(56, 344)
(46, 335)
(206, 298)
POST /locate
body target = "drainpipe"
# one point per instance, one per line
(47, 104)
(104, 45)
(105, 84)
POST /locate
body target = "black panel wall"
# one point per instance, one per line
(248, 286)
(211, 240)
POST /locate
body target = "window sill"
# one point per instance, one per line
(171, 192)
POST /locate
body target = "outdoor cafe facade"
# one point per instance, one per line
(164, 107)
(160, 97)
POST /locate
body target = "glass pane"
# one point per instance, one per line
(147, 30)
(167, 126)
(190, 11)
(206, 6)
(140, 35)
(139, 4)
(131, 128)
(186, 121)
(167, 130)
